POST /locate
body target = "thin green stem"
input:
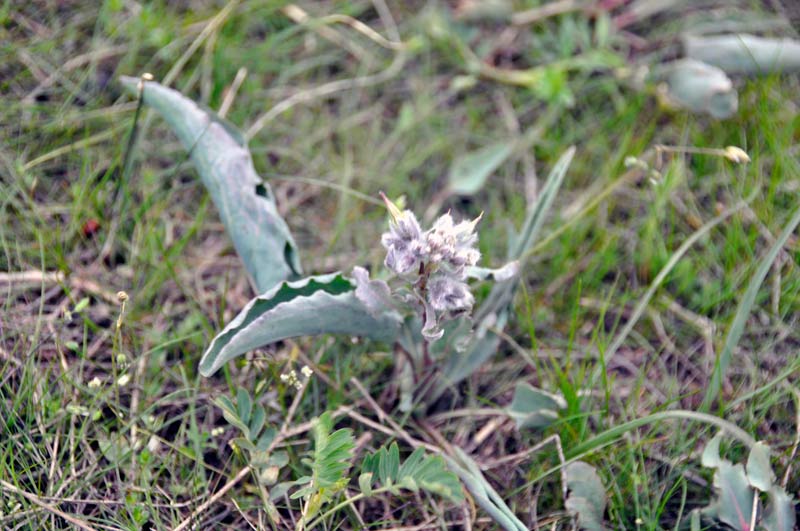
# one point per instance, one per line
(349, 501)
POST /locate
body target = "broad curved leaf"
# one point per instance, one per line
(325, 304)
(745, 54)
(245, 203)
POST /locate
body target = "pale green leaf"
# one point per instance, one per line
(698, 87)
(244, 405)
(710, 457)
(257, 420)
(391, 464)
(734, 503)
(694, 521)
(482, 492)
(759, 471)
(279, 491)
(539, 210)
(315, 305)
(469, 172)
(587, 496)
(81, 305)
(244, 444)
(500, 274)
(266, 438)
(279, 459)
(332, 453)
(533, 408)
(432, 475)
(779, 514)
(245, 203)
(365, 483)
(230, 413)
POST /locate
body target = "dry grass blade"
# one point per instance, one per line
(80, 524)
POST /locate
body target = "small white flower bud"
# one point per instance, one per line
(737, 155)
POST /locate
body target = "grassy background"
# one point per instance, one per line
(74, 225)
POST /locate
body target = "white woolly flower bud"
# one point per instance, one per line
(452, 245)
(447, 294)
(440, 257)
(403, 243)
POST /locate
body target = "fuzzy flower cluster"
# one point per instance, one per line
(439, 258)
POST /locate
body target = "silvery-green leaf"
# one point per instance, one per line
(745, 54)
(699, 87)
(587, 496)
(245, 203)
(501, 274)
(257, 421)
(431, 330)
(734, 503)
(279, 491)
(406, 386)
(375, 294)
(779, 513)
(710, 457)
(469, 172)
(534, 408)
(325, 304)
(759, 471)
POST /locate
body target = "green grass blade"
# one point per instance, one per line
(641, 306)
(743, 312)
(614, 433)
(533, 223)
